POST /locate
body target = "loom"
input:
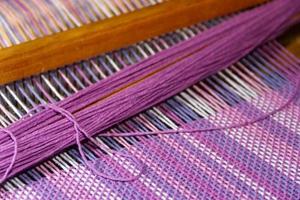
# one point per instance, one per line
(51, 50)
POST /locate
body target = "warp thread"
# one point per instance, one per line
(7, 171)
(185, 63)
(79, 130)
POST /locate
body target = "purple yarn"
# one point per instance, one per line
(112, 101)
(13, 159)
(79, 130)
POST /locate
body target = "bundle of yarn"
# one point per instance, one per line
(49, 129)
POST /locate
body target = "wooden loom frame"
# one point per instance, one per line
(50, 52)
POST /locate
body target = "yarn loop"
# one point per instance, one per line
(78, 130)
(13, 159)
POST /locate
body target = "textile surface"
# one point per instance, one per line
(258, 161)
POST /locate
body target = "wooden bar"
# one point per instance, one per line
(50, 52)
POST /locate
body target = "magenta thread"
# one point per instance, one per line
(79, 130)
(13, 159)
(225, 44)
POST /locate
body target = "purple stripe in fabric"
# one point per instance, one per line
(246, 161)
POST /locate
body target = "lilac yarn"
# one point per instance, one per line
(13, 159)
(79, 130)
(132, 90)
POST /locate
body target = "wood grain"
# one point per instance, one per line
(50, 52)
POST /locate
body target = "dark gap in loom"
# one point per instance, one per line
(131, 56)
(171, 104)
(194, 30)
(112, 142)
(290, 35)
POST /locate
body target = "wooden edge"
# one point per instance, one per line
(64, 48)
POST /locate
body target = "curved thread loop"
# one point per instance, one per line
(13, 159)
(79, 130)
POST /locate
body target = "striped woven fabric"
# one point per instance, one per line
(258, 161)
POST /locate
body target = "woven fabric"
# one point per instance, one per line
(258, 161)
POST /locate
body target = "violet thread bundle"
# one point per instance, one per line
(47, 132)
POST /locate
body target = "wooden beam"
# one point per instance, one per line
(67, 47)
